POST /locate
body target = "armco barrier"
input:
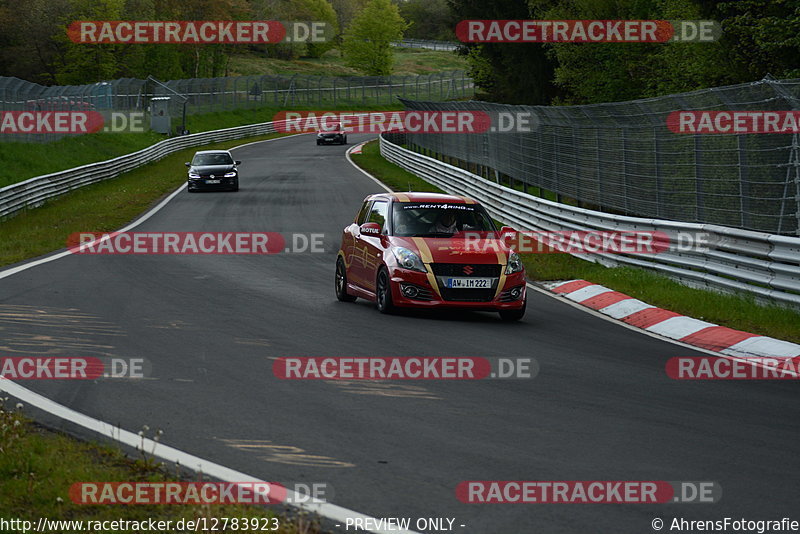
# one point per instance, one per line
(34, 191)
(765, 265)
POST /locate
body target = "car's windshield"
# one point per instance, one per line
(220, 158)
(426, 219)
(332, 127)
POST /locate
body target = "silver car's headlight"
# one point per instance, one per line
(194, 175)
(408, 259)
(230, 174)
(514, 263)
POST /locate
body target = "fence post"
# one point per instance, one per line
(657, 161)
(744, 184)
(698, 181)
(599, 169)
(625, 168)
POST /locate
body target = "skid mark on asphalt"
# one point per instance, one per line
(283, 454)
(42, 330)
(383, 389)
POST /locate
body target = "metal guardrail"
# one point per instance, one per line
(35, 191)
(761, 264)
(427, 44)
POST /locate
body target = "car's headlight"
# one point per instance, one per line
(230, 174)
(514, 263)
(194, 175)
(319, 134)
(408, 259)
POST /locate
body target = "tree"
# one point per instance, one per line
(346, 11)
(429, 19)
(764, 37)
(367, 42)
(317, 10)
(607, 72)
(87, 63)
(513, 73)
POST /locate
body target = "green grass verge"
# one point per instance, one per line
(735, 311)
(101, 207)
(38, 467)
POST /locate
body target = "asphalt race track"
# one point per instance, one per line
(601, 408)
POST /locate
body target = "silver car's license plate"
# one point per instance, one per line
(213, 181)
(469, 283)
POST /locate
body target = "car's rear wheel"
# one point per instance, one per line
(514, 315)
(341, 283)
(383, 292)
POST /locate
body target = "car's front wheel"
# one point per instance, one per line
(514, 315)
(341, 283)
(383, 292)
(235, 186)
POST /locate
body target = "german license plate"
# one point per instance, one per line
(469, 283)
(213, 181)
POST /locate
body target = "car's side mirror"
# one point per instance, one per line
(507, 234)
(237, 162)
(188, 164)
(371, 229)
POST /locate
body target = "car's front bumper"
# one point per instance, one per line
(202, 183)
(431, 294)
(335, 139)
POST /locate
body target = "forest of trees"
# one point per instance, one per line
(34, 45)
(759, 37)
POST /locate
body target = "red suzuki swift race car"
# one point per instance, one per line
(427, 250)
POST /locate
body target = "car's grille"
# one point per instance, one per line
(467, 295)
(479, 270)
